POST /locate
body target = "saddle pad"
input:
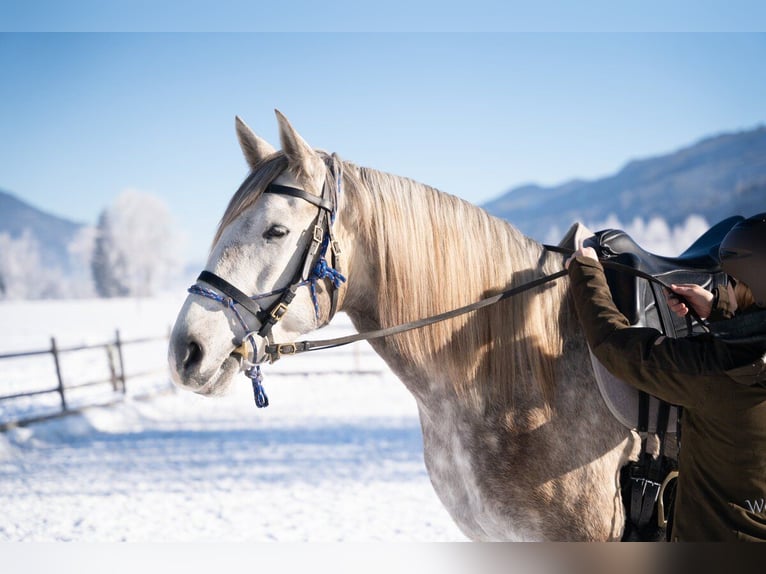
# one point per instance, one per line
(622, 400)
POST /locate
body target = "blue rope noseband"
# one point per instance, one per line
(253, 372)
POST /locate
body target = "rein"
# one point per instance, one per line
(315, 267)
(275, 351)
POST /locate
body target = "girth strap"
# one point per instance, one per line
(647, 476)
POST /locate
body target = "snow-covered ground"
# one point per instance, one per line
(335, 457)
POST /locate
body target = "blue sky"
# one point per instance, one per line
(388, 16)
(85, 116)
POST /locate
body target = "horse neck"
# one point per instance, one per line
(420, 252)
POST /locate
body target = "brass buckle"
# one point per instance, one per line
(662, 520)
(276, 351)
(278, 312)
(286, 349)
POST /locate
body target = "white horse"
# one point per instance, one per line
(517, 441)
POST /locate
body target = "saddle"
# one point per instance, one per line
(643, 302)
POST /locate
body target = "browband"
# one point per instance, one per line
(295, 192)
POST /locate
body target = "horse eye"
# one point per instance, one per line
(275, 232)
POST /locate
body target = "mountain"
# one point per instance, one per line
(717, 177)
(53, 233)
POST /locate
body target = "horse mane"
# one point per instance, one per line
(436, 252)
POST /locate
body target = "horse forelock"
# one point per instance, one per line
(436, 252)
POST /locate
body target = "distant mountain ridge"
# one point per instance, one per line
(716, 177)
(53, 233)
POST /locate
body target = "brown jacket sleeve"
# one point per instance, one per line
(722, 305)
(679, 371)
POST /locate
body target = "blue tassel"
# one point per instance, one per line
(321, 271)
(254, 374)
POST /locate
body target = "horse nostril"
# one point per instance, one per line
(193, 355)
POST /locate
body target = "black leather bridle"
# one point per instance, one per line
(315, 267)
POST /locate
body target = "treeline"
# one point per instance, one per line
(132, 251)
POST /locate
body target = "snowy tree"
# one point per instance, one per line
(80, 251)
(135, 249)
(22, 272)
(107, 262)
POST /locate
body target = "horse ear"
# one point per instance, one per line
(254, 148)
(293, 145)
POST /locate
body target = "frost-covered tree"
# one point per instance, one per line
(80, 251)
(23, 274)
(107, 261)
(135, 246)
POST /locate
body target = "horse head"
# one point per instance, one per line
(269, 253)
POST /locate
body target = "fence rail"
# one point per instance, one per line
(117, 378)
(65, 394)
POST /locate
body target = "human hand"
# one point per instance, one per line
(584, 252)
(699, 298)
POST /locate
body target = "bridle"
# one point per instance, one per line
(315, 268)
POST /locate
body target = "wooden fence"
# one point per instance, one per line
(47, 402)
(115, 381)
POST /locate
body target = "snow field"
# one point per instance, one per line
(335, 457)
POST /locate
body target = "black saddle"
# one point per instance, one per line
(642, 301)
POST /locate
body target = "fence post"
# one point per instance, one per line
(119, 356)
(110, 352)
(55, 352)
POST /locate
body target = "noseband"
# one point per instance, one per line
(315, 268)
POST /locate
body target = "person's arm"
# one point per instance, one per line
(674, 370)
(724, 303)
